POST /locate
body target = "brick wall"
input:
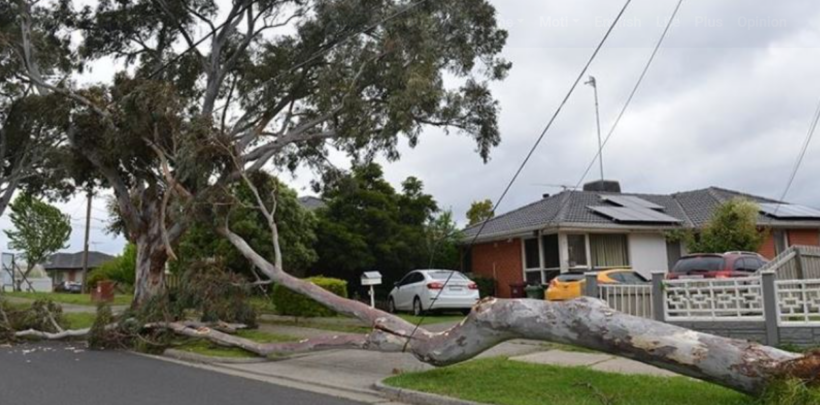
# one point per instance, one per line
(805, 237)
(500, 260)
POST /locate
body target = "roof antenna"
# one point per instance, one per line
(594, 83)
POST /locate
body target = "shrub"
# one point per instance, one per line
(293, 304)
(121, 270)
(486, 285)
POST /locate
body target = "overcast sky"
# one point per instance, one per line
(727, 103)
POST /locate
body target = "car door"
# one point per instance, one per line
(411, 290)
(402, 291)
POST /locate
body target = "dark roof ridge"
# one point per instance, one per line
(513, 211)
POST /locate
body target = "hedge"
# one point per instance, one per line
(292, 304)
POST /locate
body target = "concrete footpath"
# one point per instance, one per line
(595, 361)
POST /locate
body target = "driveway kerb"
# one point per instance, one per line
(418, 397)
(201, 358)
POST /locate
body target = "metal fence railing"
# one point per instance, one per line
(634, 300)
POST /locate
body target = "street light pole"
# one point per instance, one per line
(594, 83)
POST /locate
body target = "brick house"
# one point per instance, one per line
(600, 227)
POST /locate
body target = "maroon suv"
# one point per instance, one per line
(712, 265)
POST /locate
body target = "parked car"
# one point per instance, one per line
(419, 288)
(714, 265)
(568, 286)
(72, 287)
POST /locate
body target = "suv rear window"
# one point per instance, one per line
(698, 263)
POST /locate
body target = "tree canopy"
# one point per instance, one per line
(480, 211)
(40, 230)
(733, 227)
(282, 82)
(368, 225)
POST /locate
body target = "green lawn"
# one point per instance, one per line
(206, 348)
(65, 298)
(431, 319)
(504, 382)
(79, 320)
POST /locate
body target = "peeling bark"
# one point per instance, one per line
(737, 364)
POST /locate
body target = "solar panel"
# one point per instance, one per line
(629, 201)
(789, 211)
(628, 214)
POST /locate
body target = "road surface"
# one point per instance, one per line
(67, 374)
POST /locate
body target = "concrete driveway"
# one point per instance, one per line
(68, 374)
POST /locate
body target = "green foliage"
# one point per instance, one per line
(790, 392)
(293, 304)
(122, 270)
(294, 224)
(443, 237)
(367, 225)
(38, 316)
(40, 230)
(216, 294)
(480, 211)
(486, 285)
(733, 226)
(101, 336)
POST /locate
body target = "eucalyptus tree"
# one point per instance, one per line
(28, 132)
(207, 88)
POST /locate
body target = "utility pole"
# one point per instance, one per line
(87, 231)
(592, 82)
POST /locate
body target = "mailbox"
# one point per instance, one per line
(371, 278)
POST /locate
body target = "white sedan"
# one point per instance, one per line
(423, 290)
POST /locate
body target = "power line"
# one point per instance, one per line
(799, 161)
(629, 99)
(529, 155)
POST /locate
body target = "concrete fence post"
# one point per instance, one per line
(767, 279)
(658, 297)
(591, 285)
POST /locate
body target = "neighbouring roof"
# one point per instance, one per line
(311, 203)
(63, 261)
(691, 209)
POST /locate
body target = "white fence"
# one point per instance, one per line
(39, 285)
(798, 302)
(714, 299)
(630, 299)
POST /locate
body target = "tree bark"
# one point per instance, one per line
(737, 364)
(151, 259)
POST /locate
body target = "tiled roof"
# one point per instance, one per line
(59, 261)
(571, 208)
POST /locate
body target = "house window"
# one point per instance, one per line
(551, 258)
(577, 250)
(531, 260)
(608, 250)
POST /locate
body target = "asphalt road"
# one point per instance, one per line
(70, 375)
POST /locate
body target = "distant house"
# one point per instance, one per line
(62, 267)
(600, 227)
(311, 203)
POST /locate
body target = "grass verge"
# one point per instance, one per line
(503, 382)
(206, 348)
(72, 299)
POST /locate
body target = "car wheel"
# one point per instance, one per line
(417, 309)
(391, 306)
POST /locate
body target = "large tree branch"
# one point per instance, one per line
(737, 364)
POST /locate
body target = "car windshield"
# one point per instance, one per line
(570, 277)
(629, 277)
(698, 263)
(443, 275)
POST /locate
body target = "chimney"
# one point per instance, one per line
(604, 186)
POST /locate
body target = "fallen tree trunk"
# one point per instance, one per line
(737, 364)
